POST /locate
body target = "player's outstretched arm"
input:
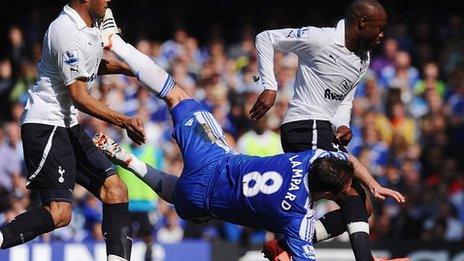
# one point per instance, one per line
(114, 67)
(88, 104)
(363, 175)
(264, 102)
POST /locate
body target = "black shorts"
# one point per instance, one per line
(56, 158)
(309, 135)
(140, 223)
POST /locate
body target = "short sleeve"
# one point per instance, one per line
(298, 237)
(69, 55)
(320, 153)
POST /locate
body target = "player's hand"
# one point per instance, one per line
(343, 135)
(381, 192)
(265, 101)
(386, 259)
(135, 130)
(274, 250)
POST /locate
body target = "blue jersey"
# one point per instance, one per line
(263, 192)
(270, 193)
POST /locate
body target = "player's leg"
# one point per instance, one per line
(355, 219)
(153, 78)
(35, 222)
(162, 183)
(51, 171)
(95, 172)
(332, 225)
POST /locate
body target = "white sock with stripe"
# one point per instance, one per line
(115, 258)
(153, 78)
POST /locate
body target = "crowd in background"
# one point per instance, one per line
(407, 121)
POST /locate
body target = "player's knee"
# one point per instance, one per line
(114, 191)
(61, 213)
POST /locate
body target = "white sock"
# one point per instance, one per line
(1, 239)
(153, 78)
(360, 226)
(137, 166)
(115, 258)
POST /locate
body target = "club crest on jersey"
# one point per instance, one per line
(70, 57)
(308, 251)
(299, 33)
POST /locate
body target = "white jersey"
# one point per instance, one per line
(327, 71)
(71, 50)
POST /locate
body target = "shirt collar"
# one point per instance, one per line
(340, 33)
(74, 16)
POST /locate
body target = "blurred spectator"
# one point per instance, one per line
(402, 124)
(171, 232)
(444, 225)
(174, 47)
(10, 167)
(6, 85)
(371, 141)
(17, 47)
(92, 212)
(387, 57)
(260, 140)
(401, 75)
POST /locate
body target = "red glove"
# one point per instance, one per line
(274, 250)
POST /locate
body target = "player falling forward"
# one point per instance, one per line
(274, 193)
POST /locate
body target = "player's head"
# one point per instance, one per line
(95, 8)
(328, 177)
(366, 19)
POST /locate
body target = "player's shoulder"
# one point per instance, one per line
(62, 30)
(63, 23)
(320, 34)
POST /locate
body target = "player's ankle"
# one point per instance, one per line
(137, 166)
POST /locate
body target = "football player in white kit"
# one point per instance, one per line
(58, 152)
(331, 63)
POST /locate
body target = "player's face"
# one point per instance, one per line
(374, 32)
(97, 8)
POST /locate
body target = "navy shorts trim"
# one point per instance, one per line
(57, 158)
(304, 135)
(55, 195)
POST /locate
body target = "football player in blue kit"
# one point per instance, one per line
(274, 193)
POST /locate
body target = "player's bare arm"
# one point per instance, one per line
(86, 103)
(264, 102)
(114, 67)
(363, 175)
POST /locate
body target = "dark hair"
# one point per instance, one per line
(359, 8)
(330, 175)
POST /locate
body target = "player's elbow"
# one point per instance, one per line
(261, 37)
(78, 94)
